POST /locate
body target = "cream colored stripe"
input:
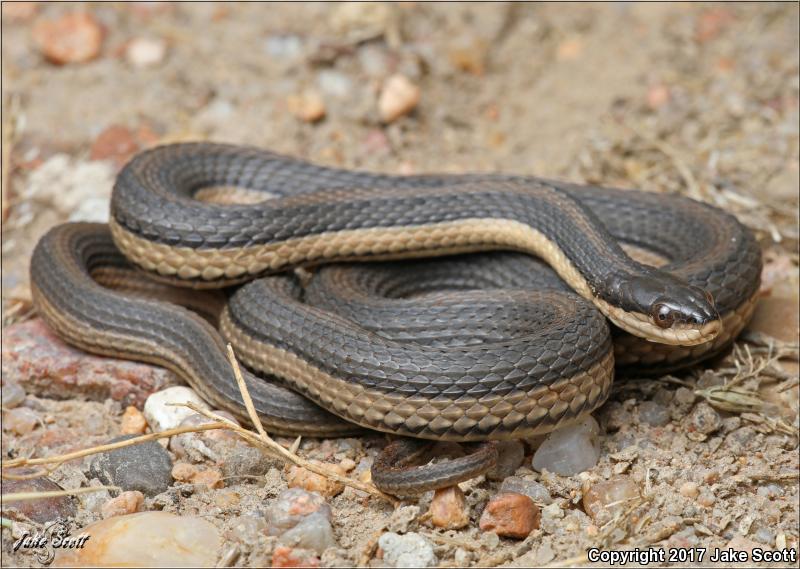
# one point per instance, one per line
(512, 416)
(383, 243)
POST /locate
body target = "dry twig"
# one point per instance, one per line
(265, 442)
(27, 496)
(58, 459)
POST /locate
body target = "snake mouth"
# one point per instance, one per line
(679, 334)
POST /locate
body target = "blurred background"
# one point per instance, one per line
(694, 98)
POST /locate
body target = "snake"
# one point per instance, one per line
(472, 308)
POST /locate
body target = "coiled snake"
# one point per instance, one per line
(434, 345)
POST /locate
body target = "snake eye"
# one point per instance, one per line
(662, 315)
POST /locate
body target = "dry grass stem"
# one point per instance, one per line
(265, 442)
(28, 496)
(18, 462)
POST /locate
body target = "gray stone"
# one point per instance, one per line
(410, 550)
(652, 413)
(570, 450)
(13, 395)
(510, 455)
(291, 507)
(704, 419)
(313, 532)
(530, 488)
(145, 467)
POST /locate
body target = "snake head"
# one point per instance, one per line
(662, 308)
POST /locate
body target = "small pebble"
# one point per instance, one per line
(357, 22)
(314, 532)
(449, 509)
(609, 496)
(530, 488)
(398, 97)
(162, 409)
(145, 52)
(146, 539)
(12, 395)
(770, 491)
(116, 143)
(657, 96)
(227, 499)
(403, 518)
(706, 499)
(93, 209)
(20, 421)
(684, 396)
(291, 507)
(299, 477)
(199, 446)
(689, 490)
(307, 106)
(183, 471)
(470, 56)
(652, 413)
(570, 450)
(765, 536)
(510, 515)
(43, 510)
(704, 419)
(510, 455)
(409, 550)
(208, 478)
(334, 83)
(374, 59)
(552, 514)
(739, 440)
(133, 422)
(126, 503)
(288, 557)
(284, 46)
(247, 527)
(741, 543)
(463, 557)
(145, 467)
(72, 38)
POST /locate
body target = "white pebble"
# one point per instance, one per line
(398, 97)
(284, 47)
(145, 52)
(334, 83)
(570, 450)
(94, 209)
(162, 411)
(12, 395)
(65, 184)
(409, 550)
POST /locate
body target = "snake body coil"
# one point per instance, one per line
(487, 346)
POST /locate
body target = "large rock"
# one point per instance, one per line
(45, 366)
(148, 539)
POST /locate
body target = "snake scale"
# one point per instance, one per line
(482, 314)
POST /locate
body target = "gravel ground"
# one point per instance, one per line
(690, 98)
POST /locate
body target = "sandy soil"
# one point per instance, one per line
(690, 98)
